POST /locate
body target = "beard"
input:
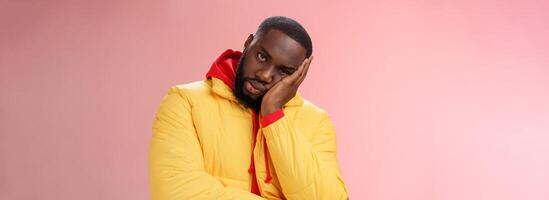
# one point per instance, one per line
(239, 80)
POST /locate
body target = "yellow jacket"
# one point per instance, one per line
(203, 141)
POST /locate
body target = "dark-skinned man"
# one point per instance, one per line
(245, 132)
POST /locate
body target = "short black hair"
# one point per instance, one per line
(289, 27)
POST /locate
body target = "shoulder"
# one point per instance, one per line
(190, 89)
(312, 108)
(314, 122)
(308, 111)
(192, 93)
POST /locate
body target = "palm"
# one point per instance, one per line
(284, 90)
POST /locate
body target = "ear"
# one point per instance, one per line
(248, 41)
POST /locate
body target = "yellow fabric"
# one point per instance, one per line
(202, 143)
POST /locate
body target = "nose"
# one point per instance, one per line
(265, 75)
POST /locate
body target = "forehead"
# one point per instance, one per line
(282, 48)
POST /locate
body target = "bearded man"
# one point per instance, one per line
(245, 132)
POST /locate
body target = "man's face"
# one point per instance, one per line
(267, 58)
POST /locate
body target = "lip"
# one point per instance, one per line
(252, 89)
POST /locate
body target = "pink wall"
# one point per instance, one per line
(431, 99)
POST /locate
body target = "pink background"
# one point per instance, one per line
(431, 99)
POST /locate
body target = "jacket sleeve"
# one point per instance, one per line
(306, 168)
(176, 169)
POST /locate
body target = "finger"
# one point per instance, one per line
(305, 70)
(299, 70)
(295, 76)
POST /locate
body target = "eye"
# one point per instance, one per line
(261, 57)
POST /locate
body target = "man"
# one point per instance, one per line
(245, 132)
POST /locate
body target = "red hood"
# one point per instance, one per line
(224, 67)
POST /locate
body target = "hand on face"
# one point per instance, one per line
(285, 89)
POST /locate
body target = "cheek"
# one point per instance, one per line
(278, 79)
(250, 67)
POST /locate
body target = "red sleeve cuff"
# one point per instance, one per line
(271, 118)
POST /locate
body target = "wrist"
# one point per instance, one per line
(268, 109)
(267, 120)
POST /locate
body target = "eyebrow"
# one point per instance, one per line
(265, 50)
(269, 55)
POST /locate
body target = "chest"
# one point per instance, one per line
(225, 132)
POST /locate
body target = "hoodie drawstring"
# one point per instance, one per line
(268, 178)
